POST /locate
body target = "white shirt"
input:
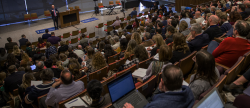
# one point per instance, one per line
(79, 53)
(199, 20)
(116, 45)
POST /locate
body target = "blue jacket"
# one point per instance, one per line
(23, 41)
(225, 27)
(183, 99)
(133, 13)
(46, 36)
(198, 42)
(165, 23)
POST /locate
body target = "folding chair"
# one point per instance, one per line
(83, 30)
(27, 17)
(145, 13)
(144, 64)
(111, 3)
(140, 14)
(148, 87)
(74, 41)
(128, 18)
(118, 2)
(99, 74)
(47, 13)
(66, 35)
(34, 16)
(104, 84)
(113, 58)
(131, 68)
(109, 29)
(77, 7)
(108, 23)
(99, 26)
(186, 64)
(246, 62)
(122, 19)
(91, 35)
(84, 79)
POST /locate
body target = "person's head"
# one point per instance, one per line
(101, 46)
(197, 14)
(52, 34)
(165, 53)
(12, 69)
(28, 44)
(174, 23)
(213, 20)
(2, 51)
(48, 44)
(171, 29)
(158, 31)
(98, 61)
(205, 66)
(147, 36)
(79, 47)
(160, 24)
(109, 50)
(43, 58)
(40, 65)
(25, 57)
(2, 77)
(66, 77)
(123, 44)
(46, 31)
(196, 29)
(27, 78)
(240, 8)
(212, 8)
(40, 40)
(241, 28)
(53, 6)
(218, 12)
(95, 89)
(28, 69)
(21, 69)
(136, 37)
(74, 69)
(141, 28)
(223, 17)
(234, 16)
(183, 26)
(16, 50)
(90, 52)
(171, 78)
(158, 40)
(141, 53)
(116, 39)
(134, 8)
(169, 21)
(23, 36)
(183, 14)
(179, 43)
(62, 57)
(9, 39)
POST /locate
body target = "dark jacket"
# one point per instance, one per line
(53, 40)
(46, 36)
(13, 81)
(133, 13)
(247, 10)
(52, 13)
(153, 51)
(23, 41)
(183, 99)
(62, 49)
(198, 42)
(57, 72)
(244, 15)
(165, 23)
(9, 46)
(213, 31)
(225, 27)
(170, 39)
(178, 55)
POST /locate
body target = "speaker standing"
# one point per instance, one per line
(54, 13)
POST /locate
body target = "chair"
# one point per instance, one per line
(113, 58)
(123, 25)
(66, 35)
(99, 74)
(23, 47)
(47, 13)
(73, 41)
(128, 18)
(103, 38)
(109, 23)
(131, 68)
(27, 17)
(148, 87)
(61, 104)
(140, 14)
(34, 43)
(205, 47)
(75, 33)
(84, 79)
(134, 16)
(145, 13)
(34, 16)
(186, 64)
(110, 28)
(100, 5)
(94, 42)
(91, 35)
(71, 8)
(111, 3)
(83, 30)
(117, 64)
(118, 2)
(77, 7)
(99, 26)
(40, 97)
(246, 61)
(234, 70)
(144, 64)
(122, 19)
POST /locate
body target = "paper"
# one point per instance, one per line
(140, 72)
(156, 57)
(35, 83)
(87, 99)
(75, 102)
(127, 62)
(185, 83)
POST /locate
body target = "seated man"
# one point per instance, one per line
(231, 48)
(197, 40)
(171, 31)
(134, 12)
(213, 29)
(199, 19)
(148, 42)
(13, 80)
(171, 91)
(33, 92)
(9, 46)
(67, 89)
(79, 51)
(46, 35)
(95, 90)
(117, 22)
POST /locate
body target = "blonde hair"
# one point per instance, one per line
(165, 53)
(59, 65)
(136, 36)
(130, 49)
(26, 81)
(98, 61)
(158, 40)
(16, 50)
(25, 57)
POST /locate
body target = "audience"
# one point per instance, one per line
(241, 10)
(74, 68)
(158, 43)
(137, 38)
(38, 70)
(63, 47)
(117, 22)
(84, 39)
(184, 28)
(17, 52)
(90, 55)
(130, 49)
(9, 46)
(67, 89)
(79, 51)
(117, 43)
(41, 43)
(171, 31)
(122, 47)
(56, 71)
(234, 16)
(225, 24)
(53, 39)
(50, 49)
(199, 19)
(46, 35)
(213, 30)
(185, 18)
(23, 40)
(148, 42)
(64, 60)
(108, 52)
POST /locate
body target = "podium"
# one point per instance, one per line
(68, 18)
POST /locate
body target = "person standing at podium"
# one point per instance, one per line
(54, 13)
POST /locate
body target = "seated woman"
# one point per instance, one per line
(140, 53)
(130, 49)
(17, 52)
(25, 60)
(63, 47)
(90, 55)
(180, 48)
(155, 67)
(26, 82)
(64, 60)
(98, 62)
(101, 46)
(40, 43)
(159, 42)
(123, 46)
(207, 74)
(108, 51)
(50, 49)
(29, 48)
(74, 68)
(136, 36)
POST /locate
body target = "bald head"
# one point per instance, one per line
(79, 47)
(213, 20)
(66, 77)
(197, 14)
(172, 77)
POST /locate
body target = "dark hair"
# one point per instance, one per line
(52, 33)
(94, 89)
(47, 31)
(11, 68)
(123, 44)
(174, 23)
(234, 16)
(28, 69)
(172, 77)
(90, 53)
(242, 7)
(205, 67)
(160, 24)
(141, 53)
(242, 27)
(106, 41)
(183, 14)
(40, 40)
(206, 11)
(2, 51)
(158, 30)
(9, 39)
(171, 29)
(47, 74)
(108, 51)
(28, 43)
(11, 59)
(48, 63)
(64, 79)
(101, 46)
(83, 35)
(148, 29)
(23, 35)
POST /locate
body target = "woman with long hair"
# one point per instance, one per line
(25, 60)
(90, 55)
(130, 49)
(136, 36)
(207, 74)
(26, 82)
(123, 46)
(108, 52)
(17, 52)
(180, 48)
(11, 60)
(74, 68)
(158, 43)
(155, 67)
(40, 43)
(101, 46)
(136, 24)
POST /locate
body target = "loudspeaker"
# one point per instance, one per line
(97, 10)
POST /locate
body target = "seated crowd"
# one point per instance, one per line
(217, 34)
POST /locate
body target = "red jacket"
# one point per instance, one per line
(230, 49)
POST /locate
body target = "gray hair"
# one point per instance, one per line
(147, 35)
(39, 65)
(116, 39)
(196, 27)
(213, 8)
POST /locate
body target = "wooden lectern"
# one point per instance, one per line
(68, 18)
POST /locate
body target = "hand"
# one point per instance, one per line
(57, 83)
(128, 105)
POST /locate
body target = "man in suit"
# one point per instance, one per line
(213, 29)
(9, 46)
(164, 21)
(23, 40)
(148, 42)
(54, 13)
(46, 35)
(134, 12)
